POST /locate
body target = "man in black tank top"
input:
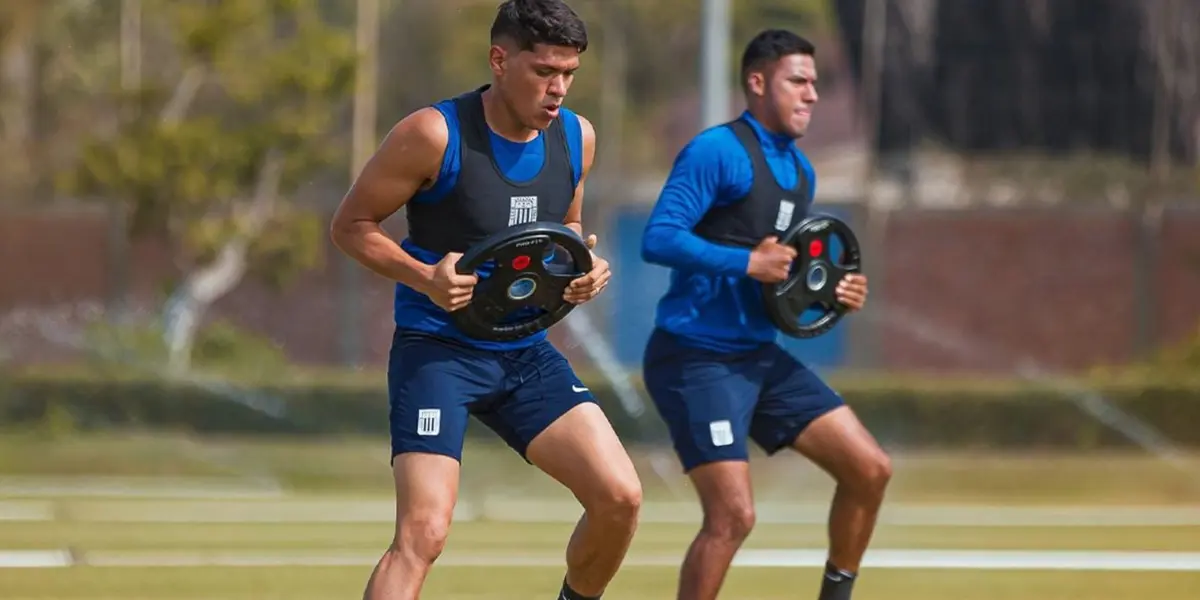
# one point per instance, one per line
(441, 164)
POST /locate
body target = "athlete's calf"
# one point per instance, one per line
(582, 452)
(838, 443)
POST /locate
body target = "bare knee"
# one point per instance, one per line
(617, 504)
(730, 522)
(870, 476)
(423, 536)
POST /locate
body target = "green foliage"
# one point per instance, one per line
(1174, 362)
(285, 247)
(913, 413)
(441, 47)
(116, 344)
(1182, 358)
(221, 349)
(805, 17)
(274, 78)
(663, 32)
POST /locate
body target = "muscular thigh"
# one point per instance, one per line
(539, 387)
(792, 398)
(431, 382)
(581, 451)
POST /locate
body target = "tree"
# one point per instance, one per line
(18, 82)
(441, 46)
(225, 127)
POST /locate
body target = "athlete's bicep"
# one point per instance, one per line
(701, 174)
(574, 216)
(408, 160)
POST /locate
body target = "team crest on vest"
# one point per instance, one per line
(522, 210)
(783, 219)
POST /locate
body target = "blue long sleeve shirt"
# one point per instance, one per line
(711, 302)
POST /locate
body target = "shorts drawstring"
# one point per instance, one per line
(513, 357)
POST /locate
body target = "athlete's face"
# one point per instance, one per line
(788, 91)
(534, 83)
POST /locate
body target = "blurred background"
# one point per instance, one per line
(192, 385)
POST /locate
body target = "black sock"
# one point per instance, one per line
(837, 584)
(569, 594)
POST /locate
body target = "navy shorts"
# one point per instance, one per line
(434, 383)
(713, 402)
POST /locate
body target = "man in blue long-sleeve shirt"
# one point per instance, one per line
(712, 365)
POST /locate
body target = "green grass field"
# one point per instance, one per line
(332, 511)
(650, 574)
(547, 538)
(361, 465)
(634, 583)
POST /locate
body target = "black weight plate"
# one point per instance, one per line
(814, 278)
(523, 294)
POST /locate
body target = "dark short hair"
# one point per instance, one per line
(532, 22)
(770, 46)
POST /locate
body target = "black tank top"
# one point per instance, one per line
(767, 210)
(484, 201)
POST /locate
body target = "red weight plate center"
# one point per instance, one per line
(815, 248)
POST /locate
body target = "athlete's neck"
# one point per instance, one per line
(501, 119)
(770, 126)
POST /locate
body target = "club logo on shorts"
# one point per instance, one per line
(429, 421)
(522, 210)
(783, 219)
(721, 432)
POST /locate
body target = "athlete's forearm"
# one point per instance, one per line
(678, 248)
(370, 245)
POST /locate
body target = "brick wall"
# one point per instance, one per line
(986, 290)
(976, 290)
